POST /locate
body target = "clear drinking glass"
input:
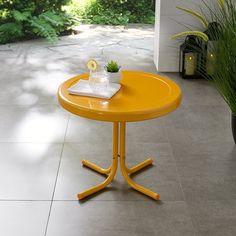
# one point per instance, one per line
(98, 80)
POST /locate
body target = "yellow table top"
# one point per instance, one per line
(142, 96)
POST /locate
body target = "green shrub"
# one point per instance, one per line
(119, 12)
(141, 11)
(29, 19)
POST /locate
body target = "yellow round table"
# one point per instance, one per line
(142, 96)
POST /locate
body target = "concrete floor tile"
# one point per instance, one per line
(28, 171)
(222, 151)
(88, 131)
(214, 218)
(152, 131)
(120, 218)
(32, 124)
(199, 124)
(23, 218)
(204, 178)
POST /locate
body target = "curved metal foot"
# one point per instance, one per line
(101, 185)
(96, 168)
(139, 166)
(134, 185)
(124, 169)
(112, 169)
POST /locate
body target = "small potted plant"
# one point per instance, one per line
(114, 72)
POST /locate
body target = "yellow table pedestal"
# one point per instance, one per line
(111, 171)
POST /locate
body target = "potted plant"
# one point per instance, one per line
(224, 75)
(209, 38)
(114, 72)
(223, 67)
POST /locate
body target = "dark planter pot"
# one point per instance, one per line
(234, 127)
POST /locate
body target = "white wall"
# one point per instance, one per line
(170, 21)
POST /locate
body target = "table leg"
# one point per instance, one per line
(139, 166)
(96, 168)
(125, 171)
(112, 170)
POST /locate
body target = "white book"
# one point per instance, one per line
(83, 88)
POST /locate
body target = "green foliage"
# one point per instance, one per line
(35, 6)
(10, 32)
(199, 16)
(199, 34)
(222, 30)
(24, 19)
(224, 74)
(18, 16)
(110, 18)
(211, 26)
(29, 19)
(43, 29)
(112, 67)
(77, 7)
(119, 12)
(50, 17)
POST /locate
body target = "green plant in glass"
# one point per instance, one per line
(112, 67)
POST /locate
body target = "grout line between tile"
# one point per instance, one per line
(23, 200)
(59, 165)
(119, 200)
(14, 142)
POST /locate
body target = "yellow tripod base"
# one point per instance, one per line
(111, 171)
